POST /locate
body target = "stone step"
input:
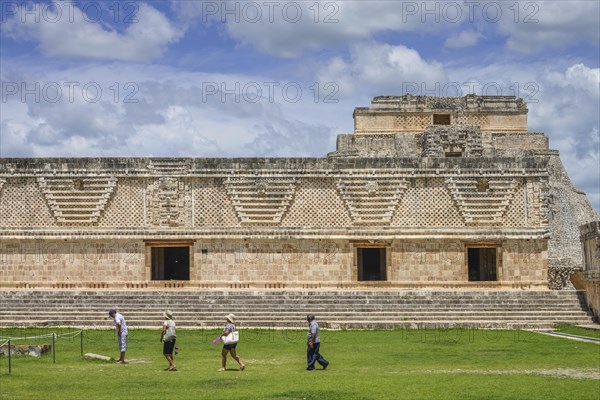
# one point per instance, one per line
(405, 308)
(304, 292)
(287, 312)
(244, 318)
(331, 325)
(264, 308)
(277, 308)
(235, 299)
(269, 294)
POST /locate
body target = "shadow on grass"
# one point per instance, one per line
(312, 394)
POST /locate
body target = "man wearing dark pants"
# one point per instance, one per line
(313, 344)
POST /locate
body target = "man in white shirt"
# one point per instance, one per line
(121, 327)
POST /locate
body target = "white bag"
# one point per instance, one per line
(232, 338)
(170, 333)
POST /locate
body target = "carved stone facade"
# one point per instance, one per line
(590, 242)
(427, 192)
(169, 202)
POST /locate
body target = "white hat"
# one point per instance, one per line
(230, 318)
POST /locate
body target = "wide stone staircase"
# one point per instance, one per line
(346, 309)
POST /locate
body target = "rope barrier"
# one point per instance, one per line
(68, 335)
(54, 336)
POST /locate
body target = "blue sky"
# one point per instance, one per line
(275, 78)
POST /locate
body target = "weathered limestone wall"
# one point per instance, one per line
(493, 144)
(275, 262)
(525, 261)
(263, 263)
(71, 262)
(520, 263)
(568, 208)
(590, 242)
(503, 143)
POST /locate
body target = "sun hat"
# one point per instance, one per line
(112, 312)
(168, 314)
(230, 318)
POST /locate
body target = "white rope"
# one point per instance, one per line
(69, 335)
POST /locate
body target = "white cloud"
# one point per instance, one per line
(543, 25)
(287, 29)
(172, 117)
(381, 69)
(71, 35)
(584, 78)
(463, 39)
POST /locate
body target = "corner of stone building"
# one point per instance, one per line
(568, 208)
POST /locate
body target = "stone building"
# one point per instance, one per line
(449, 192)
(588, 278)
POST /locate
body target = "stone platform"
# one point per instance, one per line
(335, 309)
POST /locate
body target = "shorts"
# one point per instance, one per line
(229, 346)
(168, 347)
(122, 342)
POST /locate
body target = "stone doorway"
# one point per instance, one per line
(170, 263)
(482, 264)
(371, 264)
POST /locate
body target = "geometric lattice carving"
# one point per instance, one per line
(478, 206)
(2, 182)
(427, 203)
(481, 120)
(478, 119)
(169, 202)
(170, 166)
(258, 200)
(412, 121)
(317, 202)
(371, 200)
(77, 200)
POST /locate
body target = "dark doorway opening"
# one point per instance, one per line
(482, 264)
(441, 119)
(170, 263)
(371, 264)
(453, 154)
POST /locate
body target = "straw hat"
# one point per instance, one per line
(168, 314)
(230, 318)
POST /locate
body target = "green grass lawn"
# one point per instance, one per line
(575, 330)
(400, 364)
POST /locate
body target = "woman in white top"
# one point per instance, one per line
(168, 336)
(230, 348)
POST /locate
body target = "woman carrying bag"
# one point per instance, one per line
(168, 336)
(229, 339)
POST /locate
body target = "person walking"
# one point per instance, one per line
(168, 337)
(229, 348)
(122, 332)
(313, 344)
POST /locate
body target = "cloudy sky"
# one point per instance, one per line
(274, 78)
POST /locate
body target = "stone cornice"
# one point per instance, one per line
(381, 233)
(299, 167)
